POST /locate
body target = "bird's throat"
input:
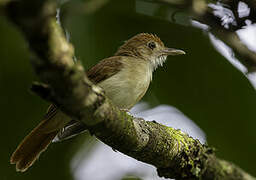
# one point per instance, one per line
(159, 61)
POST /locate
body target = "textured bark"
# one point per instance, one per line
(175, 154)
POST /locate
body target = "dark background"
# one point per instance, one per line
(202, 84)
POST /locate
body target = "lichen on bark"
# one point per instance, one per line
(172, 152)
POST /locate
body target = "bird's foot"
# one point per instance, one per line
(125, 110)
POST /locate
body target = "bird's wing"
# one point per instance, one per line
(104, 69)
(51, 111)
(98, 73)
(73, 128)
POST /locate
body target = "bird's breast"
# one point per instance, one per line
(128, 86)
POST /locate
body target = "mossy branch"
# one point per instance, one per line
(175, 154)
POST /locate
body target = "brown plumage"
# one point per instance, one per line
(130, 48)
(125, 78)
(104, 69)
(31, 147)
(36, 141)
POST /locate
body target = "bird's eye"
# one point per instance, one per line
(152, 45)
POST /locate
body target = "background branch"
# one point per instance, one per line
(199, 10)
(175, 154)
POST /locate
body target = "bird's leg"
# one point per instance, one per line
(125, 110)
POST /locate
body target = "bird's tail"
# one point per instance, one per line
(31, 147)
(38, 139)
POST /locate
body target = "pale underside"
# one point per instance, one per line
(128, 86)
(123, 91)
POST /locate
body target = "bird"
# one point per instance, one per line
(125, 78)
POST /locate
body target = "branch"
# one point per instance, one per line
(175, 154)
(199, 10)
(230, 37)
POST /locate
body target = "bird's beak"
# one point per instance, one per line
(173, 52)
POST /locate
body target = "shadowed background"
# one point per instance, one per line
(202, 84)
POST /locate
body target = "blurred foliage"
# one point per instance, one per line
(202, 84)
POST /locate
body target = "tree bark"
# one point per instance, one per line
(174, 153)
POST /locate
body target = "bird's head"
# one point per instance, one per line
(148, 47)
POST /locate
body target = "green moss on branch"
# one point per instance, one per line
(172, 152)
